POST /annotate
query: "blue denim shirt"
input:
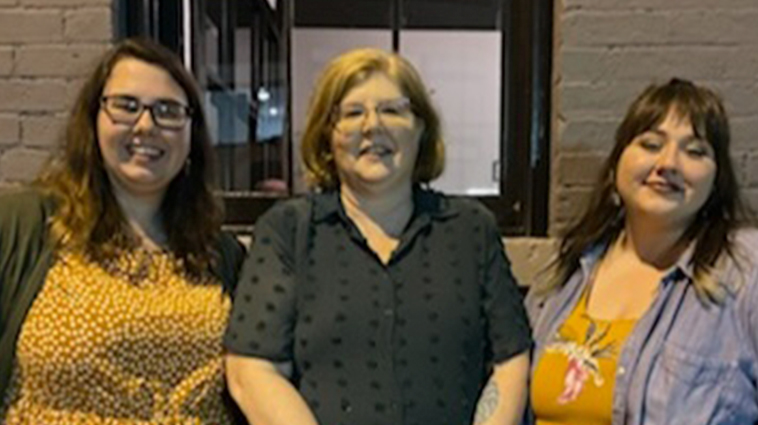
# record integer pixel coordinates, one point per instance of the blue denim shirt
(685, 362)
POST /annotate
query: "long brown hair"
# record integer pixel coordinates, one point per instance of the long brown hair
(88, 217)
(342, 74)
(722, 213)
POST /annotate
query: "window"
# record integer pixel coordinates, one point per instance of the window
(487, 63)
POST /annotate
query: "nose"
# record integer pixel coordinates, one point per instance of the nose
(371, 121)
(668, 159)
(145, 121)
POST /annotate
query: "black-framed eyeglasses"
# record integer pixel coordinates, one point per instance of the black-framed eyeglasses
(167, 114)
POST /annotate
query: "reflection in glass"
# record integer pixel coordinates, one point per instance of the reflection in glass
(243, 76)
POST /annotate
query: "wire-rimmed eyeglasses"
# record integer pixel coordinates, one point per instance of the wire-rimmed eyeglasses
(351, 117)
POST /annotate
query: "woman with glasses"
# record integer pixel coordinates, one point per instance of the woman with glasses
(376, 300)
(114, 275)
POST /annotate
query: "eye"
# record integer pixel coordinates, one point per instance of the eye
(351, 112)
(125, 104)
(169, 109)
(650, 143)
(698, 149)
(390, 109)
(398, 107)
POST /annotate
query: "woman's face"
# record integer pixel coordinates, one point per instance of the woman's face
(142, 156)
(666, 174)
(375, 140)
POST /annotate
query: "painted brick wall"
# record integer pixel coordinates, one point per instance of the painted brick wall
(46, 48)
(607, 51)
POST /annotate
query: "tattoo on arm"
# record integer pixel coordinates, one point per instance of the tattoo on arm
(487, 404)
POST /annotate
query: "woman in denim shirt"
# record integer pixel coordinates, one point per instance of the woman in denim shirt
(650, 316)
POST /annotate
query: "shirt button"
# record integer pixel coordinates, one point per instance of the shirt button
(621, 370)
(388, 312)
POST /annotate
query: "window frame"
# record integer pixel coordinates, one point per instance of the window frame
(521, 208)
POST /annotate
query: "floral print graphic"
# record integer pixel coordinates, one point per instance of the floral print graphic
(582, 357)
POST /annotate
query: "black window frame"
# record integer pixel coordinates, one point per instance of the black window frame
(521, 208)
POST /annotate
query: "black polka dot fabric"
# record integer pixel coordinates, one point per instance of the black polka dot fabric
(409, 342)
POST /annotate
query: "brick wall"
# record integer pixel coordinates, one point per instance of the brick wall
(46, 47)
(607, 51)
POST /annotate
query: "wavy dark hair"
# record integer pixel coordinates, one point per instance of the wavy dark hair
(722, 213)
(88, 217)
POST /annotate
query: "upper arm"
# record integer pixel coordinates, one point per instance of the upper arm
(22, 244)
(240, 367)
(749, 309)
(507, 323)
(262, 319)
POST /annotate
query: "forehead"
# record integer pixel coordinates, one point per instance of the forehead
(376, 87)
(142, 79)
(673, 121)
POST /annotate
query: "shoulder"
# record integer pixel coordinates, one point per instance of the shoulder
(24, 208)
(467, 206)
(282, 221)
(19, 200)
(742, 269)
(287, 211)
(738, 273)
(742, 266)
(462, 208)
(746, 239)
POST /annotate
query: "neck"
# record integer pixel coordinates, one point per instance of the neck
(390, 211)
(142, 215)
(657, 245)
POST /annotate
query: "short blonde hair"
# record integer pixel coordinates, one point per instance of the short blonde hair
(341, 75)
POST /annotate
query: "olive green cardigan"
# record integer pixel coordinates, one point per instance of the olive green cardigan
(26, 254)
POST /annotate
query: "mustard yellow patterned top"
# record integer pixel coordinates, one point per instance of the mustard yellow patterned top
(575, 376)
(131, 342)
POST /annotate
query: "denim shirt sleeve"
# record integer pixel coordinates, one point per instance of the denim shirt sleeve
(747, 305)
(697, 363)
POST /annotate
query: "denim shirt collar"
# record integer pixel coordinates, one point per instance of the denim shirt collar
(683, 266)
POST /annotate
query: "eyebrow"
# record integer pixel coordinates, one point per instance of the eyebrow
(692, 138)
(380, 102)
(158, 99)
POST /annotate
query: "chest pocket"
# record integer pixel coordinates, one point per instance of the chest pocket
(688, 388)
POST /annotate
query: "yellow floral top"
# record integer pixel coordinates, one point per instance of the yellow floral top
(132, 342)
(575, 376)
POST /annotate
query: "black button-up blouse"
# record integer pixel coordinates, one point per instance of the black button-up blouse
(409, 342)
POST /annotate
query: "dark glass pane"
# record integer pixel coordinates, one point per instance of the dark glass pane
(451, 14)
(343, 13)
(242, 71)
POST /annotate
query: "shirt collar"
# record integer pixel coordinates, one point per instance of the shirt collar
(682, 266)
(426, 202)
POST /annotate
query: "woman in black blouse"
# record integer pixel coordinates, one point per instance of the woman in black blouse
(374, 300)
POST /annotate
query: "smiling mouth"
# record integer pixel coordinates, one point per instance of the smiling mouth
(150, 152)
(376, 150)
(664, 187)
